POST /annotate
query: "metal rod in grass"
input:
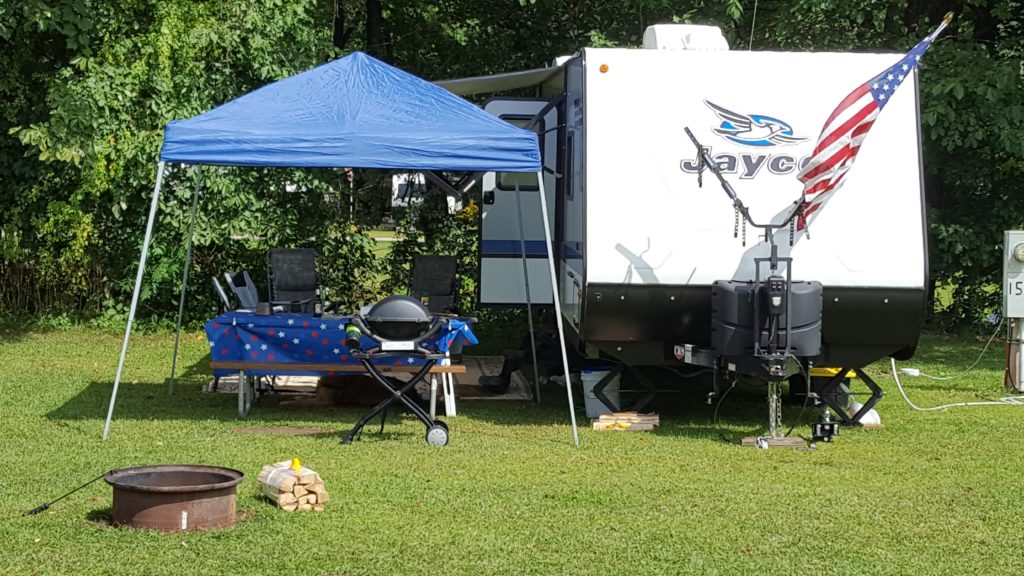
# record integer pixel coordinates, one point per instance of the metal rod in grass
(46, 505)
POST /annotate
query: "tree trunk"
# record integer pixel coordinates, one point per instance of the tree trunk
(339, 34)
(375, 29)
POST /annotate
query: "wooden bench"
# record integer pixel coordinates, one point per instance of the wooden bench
(247, 388)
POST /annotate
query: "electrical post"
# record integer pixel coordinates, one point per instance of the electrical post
(1013, 306)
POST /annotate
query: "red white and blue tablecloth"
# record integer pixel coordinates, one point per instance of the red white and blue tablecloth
(304, 339)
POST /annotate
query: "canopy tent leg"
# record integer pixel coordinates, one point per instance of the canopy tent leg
(184, 280)
(558, 306)
(526, 284)
(135, 295)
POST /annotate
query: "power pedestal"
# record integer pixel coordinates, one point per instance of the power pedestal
(1013, 306)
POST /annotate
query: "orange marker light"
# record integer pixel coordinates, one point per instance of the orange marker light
(603, 68)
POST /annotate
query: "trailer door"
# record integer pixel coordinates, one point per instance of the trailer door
(511, 216)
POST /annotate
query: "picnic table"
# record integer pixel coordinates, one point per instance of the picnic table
(250, 345)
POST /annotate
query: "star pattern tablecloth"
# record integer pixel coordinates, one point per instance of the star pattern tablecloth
(304, 339)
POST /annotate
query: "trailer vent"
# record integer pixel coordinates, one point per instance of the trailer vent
(684, 37)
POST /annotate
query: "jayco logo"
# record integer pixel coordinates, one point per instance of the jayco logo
(757, 131)
(752, 129)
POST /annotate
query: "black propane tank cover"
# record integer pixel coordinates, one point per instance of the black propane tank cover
(733, 323)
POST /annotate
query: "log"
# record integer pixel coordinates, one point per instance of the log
(318, 508)
(305, 506)
(282, 479)
(320, 491)
(299, 490)
(290, 507)
(277, 497)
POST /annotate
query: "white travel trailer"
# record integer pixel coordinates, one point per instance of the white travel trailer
(640, 244)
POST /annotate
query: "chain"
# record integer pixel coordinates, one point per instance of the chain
(736, 223)
(800, 216)
(744, 233)
(700, 167)
(774, 407)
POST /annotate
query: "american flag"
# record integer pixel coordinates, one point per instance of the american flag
(846, 128)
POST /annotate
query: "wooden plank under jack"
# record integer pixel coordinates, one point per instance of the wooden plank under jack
(627, 426)
(631, 421)
(774, 442)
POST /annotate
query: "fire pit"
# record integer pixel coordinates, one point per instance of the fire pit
(174, 498)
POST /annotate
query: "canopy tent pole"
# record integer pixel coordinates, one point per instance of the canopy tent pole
(558, 306)
(135, 295)
(526, 285)
(184, 279)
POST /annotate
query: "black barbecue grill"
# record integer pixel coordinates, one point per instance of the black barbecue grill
(400, 326)
(399, 318)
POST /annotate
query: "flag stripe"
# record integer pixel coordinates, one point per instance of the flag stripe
(826, 166)
(847, 128)
(846, 103)
(841, 140)
(850, 124)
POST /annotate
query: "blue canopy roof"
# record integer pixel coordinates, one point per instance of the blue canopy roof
(355, 112)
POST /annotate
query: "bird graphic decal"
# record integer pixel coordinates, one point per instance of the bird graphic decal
(753, 129)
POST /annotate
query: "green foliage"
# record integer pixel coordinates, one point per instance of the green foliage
(973, 118)
(82, 150)
(87, 85)
(427, 228)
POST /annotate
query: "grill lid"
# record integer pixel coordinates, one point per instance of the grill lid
(399, 317)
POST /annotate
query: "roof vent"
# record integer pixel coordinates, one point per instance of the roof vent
(684, 37)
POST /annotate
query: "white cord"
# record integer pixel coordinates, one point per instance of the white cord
(1006, 401)
(969, 368)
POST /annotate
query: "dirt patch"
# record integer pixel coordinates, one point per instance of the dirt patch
(281, 430)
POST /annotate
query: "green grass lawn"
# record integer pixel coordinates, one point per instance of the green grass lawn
(383, 241)
(929, 493)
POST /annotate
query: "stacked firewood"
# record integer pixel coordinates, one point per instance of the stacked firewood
(293, 487)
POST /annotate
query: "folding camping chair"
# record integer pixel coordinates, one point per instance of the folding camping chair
(293, 280)
(223, 304)
(243, 287)
(434, 282)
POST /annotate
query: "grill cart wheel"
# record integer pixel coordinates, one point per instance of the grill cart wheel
(437, 435)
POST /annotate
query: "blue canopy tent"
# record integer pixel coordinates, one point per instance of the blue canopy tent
(354, 112)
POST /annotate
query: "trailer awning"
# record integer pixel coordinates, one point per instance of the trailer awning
(499, 82)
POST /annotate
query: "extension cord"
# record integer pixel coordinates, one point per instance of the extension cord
(910, 371)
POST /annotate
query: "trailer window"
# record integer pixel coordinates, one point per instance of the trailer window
(524, 180)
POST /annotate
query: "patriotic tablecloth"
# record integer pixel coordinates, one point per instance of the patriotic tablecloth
(305, 339)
